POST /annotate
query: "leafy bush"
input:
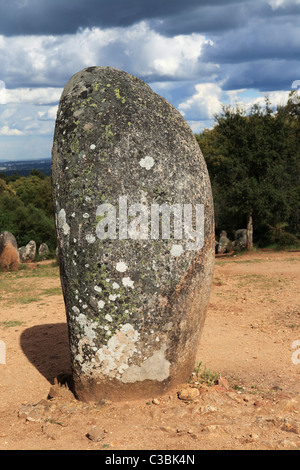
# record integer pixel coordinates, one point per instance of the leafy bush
(280, 237)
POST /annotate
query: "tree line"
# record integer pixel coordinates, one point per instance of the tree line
(254, 164)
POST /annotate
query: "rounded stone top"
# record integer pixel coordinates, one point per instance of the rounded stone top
(7, 237)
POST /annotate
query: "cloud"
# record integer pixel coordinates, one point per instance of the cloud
(25, 119)
(248, 98)
(201, 108)
(198, 126)
(263, 75)
(204, 104)
(49, 115)
(37, 96)
(275, 4)
(62, 16)
(38, 61)
(5, 130)
(256, 41)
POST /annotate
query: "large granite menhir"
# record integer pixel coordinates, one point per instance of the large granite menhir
(130, 187)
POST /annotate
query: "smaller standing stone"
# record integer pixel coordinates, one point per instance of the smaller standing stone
(30, 251)
(224, 243)
(43, 251)
(22, 250)
(241, 240)
(9, 255)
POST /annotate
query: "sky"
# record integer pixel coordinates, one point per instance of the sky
(198, 54)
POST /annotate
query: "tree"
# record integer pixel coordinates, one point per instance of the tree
(253, 161)
(36, 191)
(26, 210)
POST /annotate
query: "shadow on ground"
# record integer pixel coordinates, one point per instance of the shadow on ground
(47, 348)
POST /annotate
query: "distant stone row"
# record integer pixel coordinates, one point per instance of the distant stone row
(11, 256)
(242, 242)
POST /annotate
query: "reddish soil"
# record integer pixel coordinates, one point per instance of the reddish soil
(252, 324)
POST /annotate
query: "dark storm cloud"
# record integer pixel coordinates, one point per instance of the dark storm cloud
(261, 54)
(64, 16)
(262, 75)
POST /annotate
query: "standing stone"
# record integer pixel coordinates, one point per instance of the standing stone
(43, 251)
(22, 251)
(9, 255)
(241, 239)
(224, 243)
(136, 297)
(30, 251)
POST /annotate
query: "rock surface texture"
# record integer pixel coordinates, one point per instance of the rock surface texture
(135, 298)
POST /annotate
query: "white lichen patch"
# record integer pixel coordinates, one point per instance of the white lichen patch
(155, 367)
(86, 341)
(90, 238)
(120, 348)
(147, 162)
(121, 267)
(87, 327)
(62, 222)
(127, 282)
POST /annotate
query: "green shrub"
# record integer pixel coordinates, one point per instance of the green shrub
(280, 237)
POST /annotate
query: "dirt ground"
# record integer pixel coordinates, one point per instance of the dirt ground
(249, 339)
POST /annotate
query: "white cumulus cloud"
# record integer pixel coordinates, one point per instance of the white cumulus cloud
(204, 104)
(48, 115)
(139, 49)
(36, 96)
(5, 130)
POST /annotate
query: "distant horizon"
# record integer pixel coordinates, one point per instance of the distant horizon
(32, 159)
